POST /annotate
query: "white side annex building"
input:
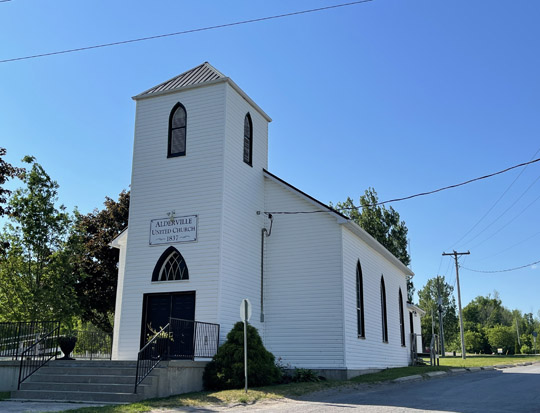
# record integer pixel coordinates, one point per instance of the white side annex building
(203, 236)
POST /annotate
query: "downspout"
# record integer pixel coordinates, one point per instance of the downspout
(264, 233)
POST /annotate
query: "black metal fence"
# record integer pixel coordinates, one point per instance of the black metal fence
(92, 345)
(18, 336)
(195, 339)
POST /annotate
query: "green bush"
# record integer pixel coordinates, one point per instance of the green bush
(304, 375)
(525, 349)
(226, 370)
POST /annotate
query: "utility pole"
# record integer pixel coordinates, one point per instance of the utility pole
(455, 255)
(439, 302)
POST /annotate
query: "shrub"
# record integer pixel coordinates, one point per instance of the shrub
(226, 370)
(304, 375)
(525, 349)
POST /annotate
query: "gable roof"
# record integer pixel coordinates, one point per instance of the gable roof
(201, 74)
(345, 221)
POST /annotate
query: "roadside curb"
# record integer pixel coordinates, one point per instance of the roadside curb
(456, 371)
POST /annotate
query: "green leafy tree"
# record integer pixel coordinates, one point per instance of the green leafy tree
(35, 274)
(7, 172)
(475, 342)
(95, 263)
(383, 224)
(486, 312)
(226, 370)
(428, 301)
(501, 337)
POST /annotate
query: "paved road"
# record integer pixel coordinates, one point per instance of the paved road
(510, 390)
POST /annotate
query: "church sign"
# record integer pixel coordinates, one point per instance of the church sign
(174, 229)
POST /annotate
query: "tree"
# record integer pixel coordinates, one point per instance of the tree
(428, 301)
(7, 172)
(95, 263)
(35, 274)
(501, 337)
(383, 224)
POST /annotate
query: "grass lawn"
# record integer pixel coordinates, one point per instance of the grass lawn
(226, 397)
(485, 360)
(4, 395)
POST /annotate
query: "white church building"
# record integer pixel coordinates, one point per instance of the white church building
(209, 225)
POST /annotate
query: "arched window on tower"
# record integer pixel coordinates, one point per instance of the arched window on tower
(171, 266)
(360, 301)
(248, 140)
(384, 318)
(177, 131)
(401, 319)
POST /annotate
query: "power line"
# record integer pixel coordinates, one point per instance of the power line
(201, 29)
(509, 248)
(495, 204)
(411, 196)
(508, 223)
(507, 270)
(505, 211)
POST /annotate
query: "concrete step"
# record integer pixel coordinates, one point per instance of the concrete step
(83, 387)
(87, 371)
(85, 378)
(77, 396)
(93, 363)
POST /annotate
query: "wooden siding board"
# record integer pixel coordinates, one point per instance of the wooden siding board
(243, 196)
(371, 352)
(303, 283)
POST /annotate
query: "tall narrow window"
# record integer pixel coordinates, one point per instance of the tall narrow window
(401, 319)
(177, 131)
(360, 301)
(248, 140)
(384, 319)
(170, 267)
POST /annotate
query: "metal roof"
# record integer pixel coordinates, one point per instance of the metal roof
(200, 74)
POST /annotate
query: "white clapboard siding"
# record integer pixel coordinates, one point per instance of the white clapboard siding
(371, 352)
(303, 283)
(191, 184)
(243, 196)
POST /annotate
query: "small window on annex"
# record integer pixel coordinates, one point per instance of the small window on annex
(401, 319)
(177, 131)
(248, 140)
(171, 266)
(360, 301)
(384, 318)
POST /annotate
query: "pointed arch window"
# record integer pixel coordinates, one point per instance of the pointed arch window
(401, 319)
(177, 131)
(360, 301)
(171, 266)
(384, 318)
(248, 140)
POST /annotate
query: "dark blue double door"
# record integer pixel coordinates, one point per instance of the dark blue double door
(158, 309)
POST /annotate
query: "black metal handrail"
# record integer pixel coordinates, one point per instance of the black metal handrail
(16, 336)
(38, 354)
(151, 354)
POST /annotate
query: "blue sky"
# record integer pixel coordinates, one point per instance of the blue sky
(402, 96)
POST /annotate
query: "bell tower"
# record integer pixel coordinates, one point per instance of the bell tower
(200, 148)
